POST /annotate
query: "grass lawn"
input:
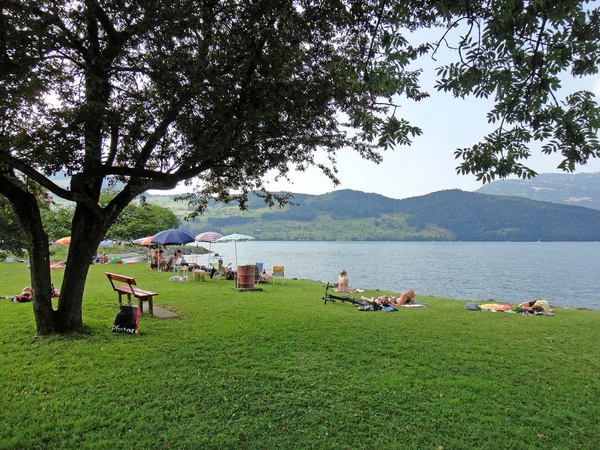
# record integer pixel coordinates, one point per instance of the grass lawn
(278, 369)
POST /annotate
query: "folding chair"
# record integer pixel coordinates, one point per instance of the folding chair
(218, 268)
(178, 266)
(278, 272)
(258, 273)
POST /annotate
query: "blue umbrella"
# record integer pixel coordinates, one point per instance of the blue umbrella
(172, 237)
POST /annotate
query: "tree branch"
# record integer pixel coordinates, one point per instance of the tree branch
(46, 183)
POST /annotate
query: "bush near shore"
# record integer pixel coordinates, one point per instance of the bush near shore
(279, 369)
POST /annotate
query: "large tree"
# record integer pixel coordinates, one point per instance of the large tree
(12, 238)
(222, 92)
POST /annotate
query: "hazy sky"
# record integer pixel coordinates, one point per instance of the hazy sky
(428, 165)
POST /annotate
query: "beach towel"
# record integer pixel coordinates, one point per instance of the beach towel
(388, 309)
(496, 306)
(349, 290)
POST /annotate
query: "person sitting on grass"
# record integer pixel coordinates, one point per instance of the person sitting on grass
(154, 260)
(230, 274)
(342, 284)
(180, 258)
(217, 268)
(163, 263)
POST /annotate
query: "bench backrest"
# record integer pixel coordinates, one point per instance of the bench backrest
(122, 278)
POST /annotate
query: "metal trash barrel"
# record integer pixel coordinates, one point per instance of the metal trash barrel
(245, 277)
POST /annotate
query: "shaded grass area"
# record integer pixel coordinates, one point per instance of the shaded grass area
(279, 369)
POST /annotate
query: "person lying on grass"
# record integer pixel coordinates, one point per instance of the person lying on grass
(25, 296)
(538, 305)
(54, 265)
(405, 298)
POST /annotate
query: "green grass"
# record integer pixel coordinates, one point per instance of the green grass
(278, 369)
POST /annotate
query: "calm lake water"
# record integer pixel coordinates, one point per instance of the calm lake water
(564, 273)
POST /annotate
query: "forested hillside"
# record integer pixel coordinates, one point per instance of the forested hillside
(444, 215)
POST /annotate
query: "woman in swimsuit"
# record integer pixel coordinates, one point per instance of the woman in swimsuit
(535, 305)
(406, 298)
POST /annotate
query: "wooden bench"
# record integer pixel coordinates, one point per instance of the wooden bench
(129, 290)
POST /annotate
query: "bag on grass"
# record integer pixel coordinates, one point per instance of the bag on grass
(127, 321)
(472, 306)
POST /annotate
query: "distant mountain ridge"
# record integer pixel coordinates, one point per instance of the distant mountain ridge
(450, 215)
(582, 189)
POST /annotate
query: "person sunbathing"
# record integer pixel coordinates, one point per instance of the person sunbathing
(25, 296)
(342, 284)
(381, 300)
(265, 276)
(230, 274)
(405, 298)
(57, 265)
(533, 306)
(54, 265)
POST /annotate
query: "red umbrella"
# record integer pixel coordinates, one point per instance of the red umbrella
(146, 241)
(210, 237)
(64, 241)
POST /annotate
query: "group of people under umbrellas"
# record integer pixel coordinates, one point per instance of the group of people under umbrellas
(181, 237)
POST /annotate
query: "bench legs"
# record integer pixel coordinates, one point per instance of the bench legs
(150, 306)
(141, 302)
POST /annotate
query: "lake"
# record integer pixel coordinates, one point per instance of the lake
(564, 273)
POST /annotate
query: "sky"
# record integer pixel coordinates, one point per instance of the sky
(447, 123)
(428, 165)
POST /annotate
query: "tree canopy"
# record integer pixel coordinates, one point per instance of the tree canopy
(220, 93)
(142, 220)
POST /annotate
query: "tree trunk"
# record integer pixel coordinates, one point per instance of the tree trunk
(87, 232)
(26, 208)
(88, 229)
(39, 257)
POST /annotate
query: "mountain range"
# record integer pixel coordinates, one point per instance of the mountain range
(582, 189)
(549, 207)
(451, 215)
